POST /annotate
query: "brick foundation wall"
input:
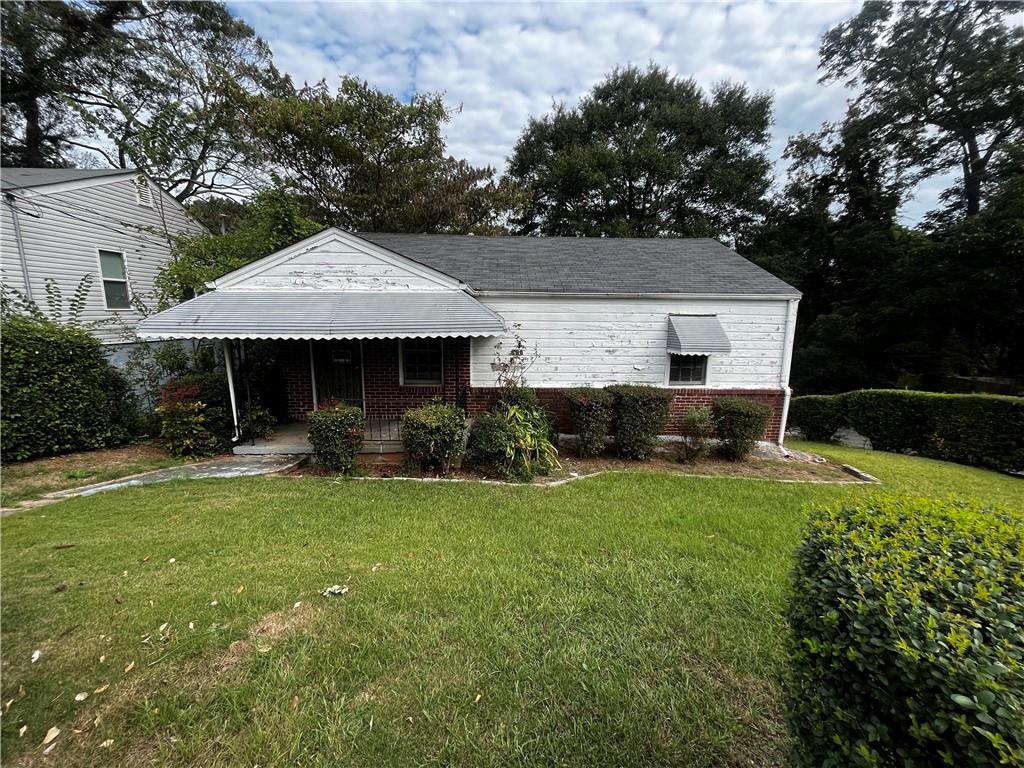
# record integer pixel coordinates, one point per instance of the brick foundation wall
(384, 396)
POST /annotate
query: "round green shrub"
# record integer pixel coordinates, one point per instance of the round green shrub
(698, 426)
(59, 391)
(641, 413)
(739, 422)
(184, 430)
(432, 435)
(591, 411)
(491, 445)
(906, 643)
(817, 416)
(336, 435)
(512, 443)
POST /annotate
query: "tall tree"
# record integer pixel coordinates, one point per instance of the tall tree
(945, 78)
(647, 154)
(51, 50)
(363, 160)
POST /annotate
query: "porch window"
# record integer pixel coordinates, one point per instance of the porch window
(115, 280)
(421, 362)
(687, 369)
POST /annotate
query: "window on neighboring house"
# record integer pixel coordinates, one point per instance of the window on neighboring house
(421, 362)
(143, 193)
(688, 369)
(115, 280)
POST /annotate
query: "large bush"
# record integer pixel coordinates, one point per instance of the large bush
(59, 392)
(210, 388)
(591, 411)
(432, 435)
(819, 417)
(185, 431)
(337, 435)
(740, 422)
(512, 443)
(641, 414)
(907, 642)
(983, 430)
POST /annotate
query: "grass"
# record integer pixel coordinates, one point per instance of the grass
(29, 480)
(627, 619)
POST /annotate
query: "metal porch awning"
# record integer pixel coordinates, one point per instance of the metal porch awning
(696, 335)
(323, 315)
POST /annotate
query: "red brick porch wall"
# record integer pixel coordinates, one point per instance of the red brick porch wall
(383, 396)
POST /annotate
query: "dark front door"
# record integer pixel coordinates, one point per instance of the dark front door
(339, 371)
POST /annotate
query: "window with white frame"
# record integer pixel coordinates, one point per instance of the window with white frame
(688, 369)
(421, 362)
(115, 280)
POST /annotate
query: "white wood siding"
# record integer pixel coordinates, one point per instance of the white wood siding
(63, 231)
(339, 263)
(583, 341)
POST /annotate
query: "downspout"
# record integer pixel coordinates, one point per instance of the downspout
(312, 374)
(787, 362)
(229, 364)
(21, 244)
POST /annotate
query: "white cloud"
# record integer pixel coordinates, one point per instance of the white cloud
(506, 62)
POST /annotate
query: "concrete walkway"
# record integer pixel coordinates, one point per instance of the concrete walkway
(228, 466)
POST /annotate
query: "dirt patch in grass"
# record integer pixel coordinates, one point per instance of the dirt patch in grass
(31, 479)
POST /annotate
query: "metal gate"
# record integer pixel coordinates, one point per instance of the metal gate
(339, 371)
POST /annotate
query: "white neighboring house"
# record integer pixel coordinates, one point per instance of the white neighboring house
(62, 224)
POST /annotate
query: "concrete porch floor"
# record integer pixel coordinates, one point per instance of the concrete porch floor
(381, 436)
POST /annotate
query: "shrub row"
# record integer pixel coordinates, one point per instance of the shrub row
(906, 644)
(515, 441)
(981, 430)
(433, 435)
(740, 423)
(59, 391)
(336, 434)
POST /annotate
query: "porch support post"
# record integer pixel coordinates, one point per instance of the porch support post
(229, 364)
(312, 373)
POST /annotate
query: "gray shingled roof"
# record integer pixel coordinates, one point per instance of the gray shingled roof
(15, 178)
(323, 315)
(587, 264)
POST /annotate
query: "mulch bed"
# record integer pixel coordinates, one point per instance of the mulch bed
(395, 465)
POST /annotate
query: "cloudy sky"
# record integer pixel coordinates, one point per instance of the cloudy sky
(503, 62)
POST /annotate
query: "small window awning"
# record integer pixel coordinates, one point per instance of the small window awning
(696, 335)
(323, 315)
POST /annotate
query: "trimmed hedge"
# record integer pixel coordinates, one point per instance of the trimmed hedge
(981, 430)
(641, 413)
(432, 435)
(337, 435)
(698, 427)
(818, 416)
(591, 411)
(907, 645)
(59, 391)
(740, 423)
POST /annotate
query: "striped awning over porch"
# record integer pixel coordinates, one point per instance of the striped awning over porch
(323, 315)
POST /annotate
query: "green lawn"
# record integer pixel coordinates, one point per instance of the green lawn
(628, 619)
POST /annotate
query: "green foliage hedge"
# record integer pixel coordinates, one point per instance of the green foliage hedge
(981, 430)
(740, 423)
(59, 392)
(641, 413)
(819, 417)
(907, 642)
(513, 441)
(698, 426)
(591, 411)
(432, 435)
(185, 430)
(337, 435)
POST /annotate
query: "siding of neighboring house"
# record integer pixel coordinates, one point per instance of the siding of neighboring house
(63, 231)
(596, 341)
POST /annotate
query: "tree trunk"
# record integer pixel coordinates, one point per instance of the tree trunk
(33, 133)
(973, 170)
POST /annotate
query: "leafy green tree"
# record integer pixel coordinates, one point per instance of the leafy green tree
(944, 78)
(646, 154)
(272, 222)
(365, 161)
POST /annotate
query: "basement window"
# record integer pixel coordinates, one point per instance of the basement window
(688, 369)
(115, 280)
(422, 362)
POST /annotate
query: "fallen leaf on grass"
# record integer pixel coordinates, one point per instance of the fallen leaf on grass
(36, 655)
(477, 699)
(125, 573)
(129, 667)
(49, 749)
(82, 696)
(214, 603)
(295, 703)
(102, 688)
(240, 589)
(51, 734)
(102, 659)
(7, 704)
(146, 558)
(164, 626)
(297, 604)
(172, 561)
(107, 743)
(191, 625)
(21, 731)
(377, 567)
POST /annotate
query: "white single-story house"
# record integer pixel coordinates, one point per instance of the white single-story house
(60, 225)
(389, 321)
